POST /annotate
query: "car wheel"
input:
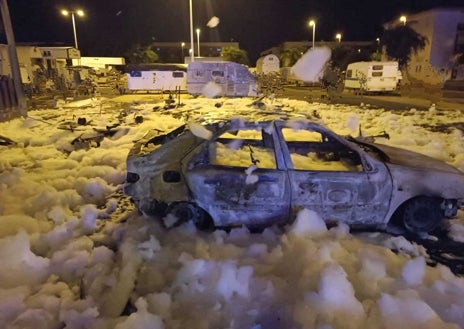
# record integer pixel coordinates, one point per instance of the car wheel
(422, 214)
(150, 208)
(185, 211)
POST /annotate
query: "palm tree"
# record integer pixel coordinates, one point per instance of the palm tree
(139, 54)
(401, 42)
(234, 54)
(342, 56)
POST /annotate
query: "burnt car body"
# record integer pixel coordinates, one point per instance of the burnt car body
(260, 174)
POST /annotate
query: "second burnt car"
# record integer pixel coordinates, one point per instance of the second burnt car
(258, 174)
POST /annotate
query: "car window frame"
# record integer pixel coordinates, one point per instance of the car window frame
(367, 166)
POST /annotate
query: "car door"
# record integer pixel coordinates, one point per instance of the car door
(238, 180)
(337, 181)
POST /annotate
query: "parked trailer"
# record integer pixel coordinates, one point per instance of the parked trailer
(233, 78)
(156, 77)
(372, 76)
(268, 64)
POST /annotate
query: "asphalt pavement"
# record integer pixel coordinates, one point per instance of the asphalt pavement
(388, 101)
(398, 102)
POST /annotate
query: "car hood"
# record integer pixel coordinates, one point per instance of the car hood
(401, 157)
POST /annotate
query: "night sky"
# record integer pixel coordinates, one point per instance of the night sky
(111, 26)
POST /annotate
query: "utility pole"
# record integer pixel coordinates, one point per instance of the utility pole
(15, 73)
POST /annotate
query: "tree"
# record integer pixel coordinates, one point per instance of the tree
(401, 42)
(342, 56)
(139, 54)
(289, 56)
(234, 54)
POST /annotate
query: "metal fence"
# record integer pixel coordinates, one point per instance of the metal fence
(9, 108)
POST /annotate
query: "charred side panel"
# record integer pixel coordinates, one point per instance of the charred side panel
(232, 200)
(409, 183)
(160, 172)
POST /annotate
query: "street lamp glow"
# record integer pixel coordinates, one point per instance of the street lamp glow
(78, 12)
(198, 41)
(403, 19)
(312, 23)
(338, 37)
(182, 45)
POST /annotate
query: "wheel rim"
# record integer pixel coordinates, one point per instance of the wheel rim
(189, 212)
(422, 215)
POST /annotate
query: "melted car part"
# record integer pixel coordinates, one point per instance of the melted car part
(6, 141)
(109, 131)
(162, 139)
(83, 142)
(450, 208)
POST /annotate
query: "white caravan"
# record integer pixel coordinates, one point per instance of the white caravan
(268, 64)
(156, 77)
(372, 76)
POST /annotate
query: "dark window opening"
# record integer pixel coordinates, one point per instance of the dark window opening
(217, 73)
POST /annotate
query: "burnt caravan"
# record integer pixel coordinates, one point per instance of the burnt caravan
(233, 78)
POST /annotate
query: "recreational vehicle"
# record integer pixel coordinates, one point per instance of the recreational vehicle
(233, 78)
(372, 76)
(268, 64)
(156, 77)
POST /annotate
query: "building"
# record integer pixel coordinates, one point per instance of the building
(39, 64)
(178, 52)
(362, 47)
(99, 63)
(442, 58)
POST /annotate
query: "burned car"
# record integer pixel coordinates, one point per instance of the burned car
(260, 174)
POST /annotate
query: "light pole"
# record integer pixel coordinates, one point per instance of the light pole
(198, 41)
(182, 44)
(192, 56)
(313, 24)
(14, 63)
(403, 20)
(338, 37)
(72, 12)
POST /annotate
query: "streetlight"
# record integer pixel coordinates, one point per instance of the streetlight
(403, 19)
(338, 37)
(182, 51)
(313, 24)
(198, 41)
(79, 12)
(192, 56)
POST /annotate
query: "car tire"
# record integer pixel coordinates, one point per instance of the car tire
(150, 208)
(186, 211)
(422, 214)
